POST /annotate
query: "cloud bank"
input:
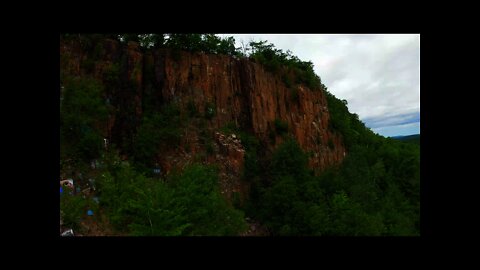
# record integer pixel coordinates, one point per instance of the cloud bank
(378, 74)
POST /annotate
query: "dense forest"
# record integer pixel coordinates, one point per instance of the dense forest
(410, 138)
(375, 191)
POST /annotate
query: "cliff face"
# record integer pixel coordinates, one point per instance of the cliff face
(244, 93)
(238, 90)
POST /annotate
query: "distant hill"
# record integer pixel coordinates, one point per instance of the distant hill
(410, 138)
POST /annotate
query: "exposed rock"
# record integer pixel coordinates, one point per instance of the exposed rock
(252, 97)
(236, 90)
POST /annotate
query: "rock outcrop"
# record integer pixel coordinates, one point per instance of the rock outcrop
(242, 92)
(229, 89)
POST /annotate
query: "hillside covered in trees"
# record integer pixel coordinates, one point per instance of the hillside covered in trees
(187, 135)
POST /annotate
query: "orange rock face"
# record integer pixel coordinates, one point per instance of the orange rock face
(243, 93)
(234, 90)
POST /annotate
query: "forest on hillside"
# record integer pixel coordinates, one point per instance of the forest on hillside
(375, 191)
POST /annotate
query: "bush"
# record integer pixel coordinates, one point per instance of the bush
(209, 148)
(210, 110)
(330, 144)
(72, 208)
(192, 109)
(286, 80)
(188, 203)
(111, 75)
(196, 189)
(289, 159)
(229, 128)
(273, 59)
(158, 130)
(82, 111)
(271, 134)
(281, 127)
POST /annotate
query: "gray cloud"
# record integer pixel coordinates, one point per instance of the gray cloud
(395, 120)
(379, 75)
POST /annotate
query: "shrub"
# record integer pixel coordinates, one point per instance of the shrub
(229, 128)
(286, 80)
(210, 110)
(289, 159)
(209, 148)
(281, 127)
(111, 75)
(192, 109)
(157, 130)
(330, 144)
(196, 189)
(271, 134)
(72, 209)
(83, 110)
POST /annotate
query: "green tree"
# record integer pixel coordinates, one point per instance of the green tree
(196, 189)
(289, 159)
(156, 131)
(72, 208)
(82, 113)
(157, 212)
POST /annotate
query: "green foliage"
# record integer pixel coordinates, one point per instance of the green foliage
(208, 43)
(72, 208)
(82, 111)
(192, 109)
(289, 159)
(374, 192)
(187, 42)
(348, 218)
(229, 128)
(197, 190)
(330, 144)
(252, 146)
(156, 131)
(157, 213)
(286, 80)
(249, 142)
(111, 76)
(236, 201)
(271, 134)
(189, 203)
(209, 148)
(210, 110)
(152, 40)
(281, 127)
(415, 139)
(291, 202)
(272, 59)
(279, 204)
(130, 37)
(354, 132)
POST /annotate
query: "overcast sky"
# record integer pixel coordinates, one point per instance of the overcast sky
(379, 75)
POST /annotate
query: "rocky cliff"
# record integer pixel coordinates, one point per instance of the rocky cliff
(235, 90)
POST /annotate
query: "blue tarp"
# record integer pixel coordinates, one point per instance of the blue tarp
(90, 212)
